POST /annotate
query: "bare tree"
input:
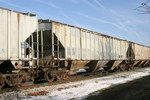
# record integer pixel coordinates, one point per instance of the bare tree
(144, 8)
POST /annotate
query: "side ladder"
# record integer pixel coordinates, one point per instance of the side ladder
(55, 51)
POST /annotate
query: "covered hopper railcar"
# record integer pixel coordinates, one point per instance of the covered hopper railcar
(77, 48)
(15, 28)
(32, 49)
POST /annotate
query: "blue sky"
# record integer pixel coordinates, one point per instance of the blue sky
(116, 18)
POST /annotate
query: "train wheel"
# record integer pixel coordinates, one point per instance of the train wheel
(66, 74)
(50, 75)
(25, 79)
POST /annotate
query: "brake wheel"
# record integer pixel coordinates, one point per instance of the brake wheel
(50, 75)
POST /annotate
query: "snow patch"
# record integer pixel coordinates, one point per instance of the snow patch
(81, 71)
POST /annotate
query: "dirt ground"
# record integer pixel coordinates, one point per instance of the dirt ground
(134, 90)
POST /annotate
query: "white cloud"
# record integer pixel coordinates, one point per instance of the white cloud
(91, 5)
(97, 2)
(48, 3)
(72, 20)
(74, 1)
(2, 0)
(12, 4)
(99, 20)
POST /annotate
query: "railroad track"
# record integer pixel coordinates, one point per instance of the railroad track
(72, 78)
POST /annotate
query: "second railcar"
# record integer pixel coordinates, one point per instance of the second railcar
(77, 48)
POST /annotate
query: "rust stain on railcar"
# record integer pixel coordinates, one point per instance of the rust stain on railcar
(133, 47)
(18, 15)
(18, 18)
(2, 10)
(65, 33)
(133, 53)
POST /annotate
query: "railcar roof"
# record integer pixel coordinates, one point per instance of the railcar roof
(93, 32)
(29, 14)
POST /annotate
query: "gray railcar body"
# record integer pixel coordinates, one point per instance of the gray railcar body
(83, 48)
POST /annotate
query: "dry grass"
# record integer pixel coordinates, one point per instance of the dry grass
(72, 86)
(38, 93)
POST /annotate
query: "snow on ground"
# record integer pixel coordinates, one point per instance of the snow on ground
(81, 71)
(81, 89)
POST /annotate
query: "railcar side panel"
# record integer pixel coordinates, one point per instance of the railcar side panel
(78, 44)
(73, 42)
(92, 46)
(100, 48)
(96, 47)
(15, 29)
(3, 35)
(110, 42)
(114, 50)
(88, 45)
(104, 48)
